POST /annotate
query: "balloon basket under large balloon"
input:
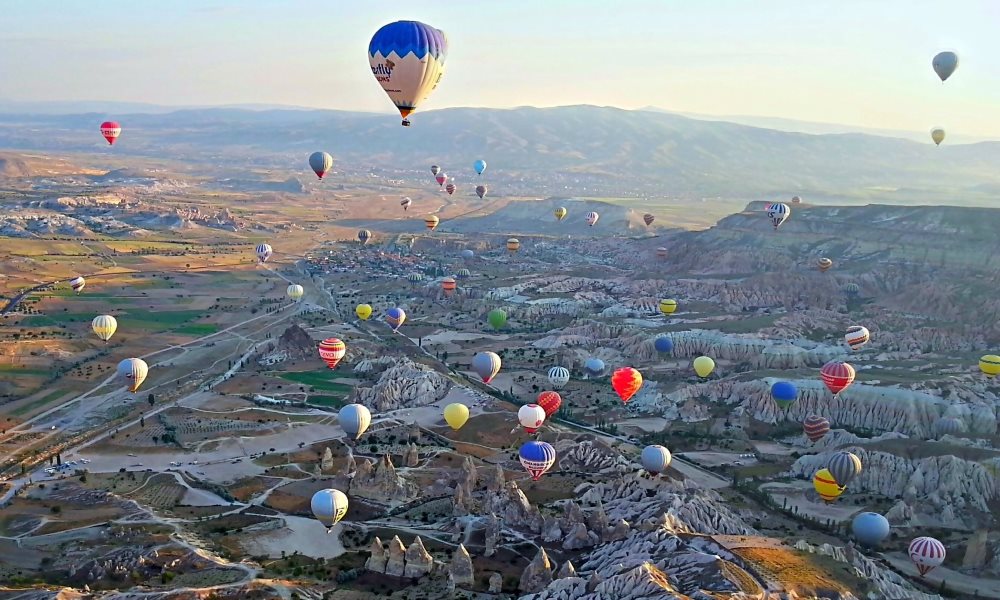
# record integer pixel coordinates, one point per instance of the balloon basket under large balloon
(405, 123)
(329, 530)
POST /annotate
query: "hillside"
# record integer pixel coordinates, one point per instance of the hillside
(583, 148)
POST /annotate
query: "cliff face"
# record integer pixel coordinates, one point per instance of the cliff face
(400, 383)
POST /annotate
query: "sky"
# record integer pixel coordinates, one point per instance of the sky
(857, 62)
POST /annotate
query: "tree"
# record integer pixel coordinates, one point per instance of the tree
(150, 399)
(142, 422)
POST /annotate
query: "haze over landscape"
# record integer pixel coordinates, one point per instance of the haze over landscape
(652, 301)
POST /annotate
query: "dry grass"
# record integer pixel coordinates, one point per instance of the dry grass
(160, 491)
(792, 569)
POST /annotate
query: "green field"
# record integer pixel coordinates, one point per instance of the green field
(320, 380)
(198, 329)
(138, 318)
(19, 370)
(328, 401)
(40, 402)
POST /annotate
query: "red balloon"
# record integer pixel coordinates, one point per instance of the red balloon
(111, 130)
(550, 402)
(450, 188)
(837, 376)
(626, 382)
(815, 427)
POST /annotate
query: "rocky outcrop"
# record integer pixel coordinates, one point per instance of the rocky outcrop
(381, 482)
(326, 463)
(419, 561)
(512, 506)
(411, 458)
(399, 561)
(460, 569)
(590, 456)
(462, 502)
(401, 383)
(566, 570)
(888, 584)
(396, 558)
(377, 560)
(538, 574)
(496, 583)
(350, 466)
(467, 477)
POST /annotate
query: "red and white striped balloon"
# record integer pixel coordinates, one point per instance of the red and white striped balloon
(926, 553)
(331, 351)
(837, 376)
(857, 336)
(111, 130)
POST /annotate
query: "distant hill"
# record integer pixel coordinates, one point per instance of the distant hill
(12, 166)
(576, 148)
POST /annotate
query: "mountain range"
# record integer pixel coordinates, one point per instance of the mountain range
(585, 148)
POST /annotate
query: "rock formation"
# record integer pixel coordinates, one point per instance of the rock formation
(402, 383)
(460, 568)
(496, 583)
(349, 465)
(537, 574)
(468, 476)
(326, 463)
(377, 561)
(511, 505)
(396, 559)
(419, 561)
(411, 458)
(381, 482)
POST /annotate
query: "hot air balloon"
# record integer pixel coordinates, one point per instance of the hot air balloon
(104, 326)
(463, 273)
(655, 459)
(558, 376)
(668, 306)
(852, 289)
(320, 163)
(363, 236)
(796, 200)
(77, 283)
(816, 427)
(133, 371)
(431, 221)
(479, 166)
(448, 285)
(531, 417)
(837, 376)
(435, 170)
(937, 134)
(468, 254)
(648, 219)
(944, 64)
(661, 252)
(663, 344)
(550, 402)
(295, 291)
(111, 130)
(456, 414)
(486, 365)
(497, 318)
(329, 506)
(481, 191)
(824, 264)
(364, 311)
(405, 203)
(844, 466)
(703, 366)
(407, 59)
(784, 393)
(592, 218)
(537, 458)
(264, 252)
(857, 336)
(331, 351)
(354, 419)
(593, 366)
(513, 245)
(415, 277)
(989, 364)
(926, 553)
(441, 178)
(778, 213)
(450, 188)
(826, 486)
(560, 213)
(395, 317)
(870, 528)
(626, 382)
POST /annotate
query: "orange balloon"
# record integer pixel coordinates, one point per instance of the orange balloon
(626, 382)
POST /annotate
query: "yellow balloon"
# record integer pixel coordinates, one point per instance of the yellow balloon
(104, 326)
(364, 311)
(560, 213)
(937, 134)
(704, 366)
(826, 486)
(456, 415)
(990, 365)
(668, 306)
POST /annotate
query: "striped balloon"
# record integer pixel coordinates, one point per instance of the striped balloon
(926, 553)
(448, 285)
(331, 351)
(661, 252)
(431, 221)
(537, 458)
(592, 218)
(133, 371)
(463, 273)
(77, 284)
(816, 427)
(363, 236)
(826, 486)
(558, 376)
(104, 326)
(824, 264)
(513, 245)
(948, 426)
(844, 467)
(648, 219)
(550, 402)
(415, 277)
(264, 252)
(837, 376)
(857, 336)
(450, 188)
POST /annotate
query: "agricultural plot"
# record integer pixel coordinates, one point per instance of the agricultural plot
(792, 570)
(159, 491)
(320, 380)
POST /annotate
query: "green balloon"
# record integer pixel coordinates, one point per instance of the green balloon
(497, 318)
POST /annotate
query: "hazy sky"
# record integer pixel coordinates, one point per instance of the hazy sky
(861, 62)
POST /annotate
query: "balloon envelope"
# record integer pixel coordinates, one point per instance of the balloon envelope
(395, 317)
(558, 376)
(937, 134)
(407, 59)
(784, 393)
(431, 221)
(668, 306)
(531, 417)
(513, 245)
(331, 351)
(497, 318)
(479, 166)
(467, 254)
(778, 213)
(133, 371)
(111, 130)
(537, 457)
(989, 364)
(104, 326)
(320, 163)
(363, 236)
(593, 366)
(264, 252)
(655, 459)
(844, 466)
(826, 486)
(944, 64)
(703, 366)
(295, 291)
(329, 506)
(592, 218)
(354, 419)
(364, 311)
(486, 365)
(481, 190)
(824, 264)
(626, 382)
(837, 376)
(815, 427)
(663, 344)
(870, 528)
(456, 415)
(926, 553)
(550, 402)
(857, 336)
(77, 283)
(560, 213)
(648, 219)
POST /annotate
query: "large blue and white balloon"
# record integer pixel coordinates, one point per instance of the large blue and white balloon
(407, 59)
(870, 528)
(537, 458)
(593, 366)
(479, 166)
(664, 344)
(655, 459)
(784, 393)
